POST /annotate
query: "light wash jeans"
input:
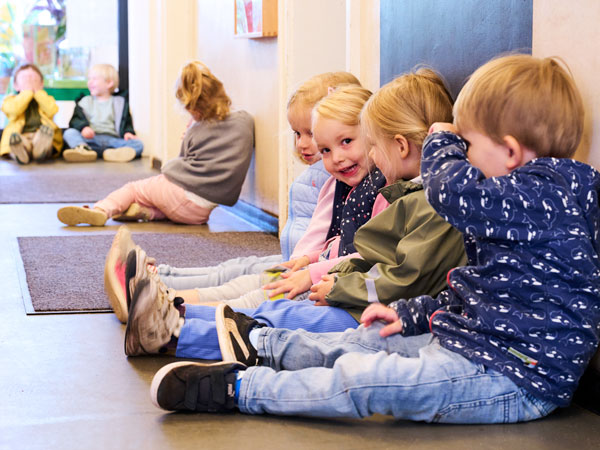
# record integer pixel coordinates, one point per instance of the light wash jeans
(204, 277)
(101, 142)
(358, 373)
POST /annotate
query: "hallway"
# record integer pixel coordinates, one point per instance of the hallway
(65, 382)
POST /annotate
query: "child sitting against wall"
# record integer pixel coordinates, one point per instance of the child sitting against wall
(30, 134)
(510, 338)
(101, 125)
(310, 207)
(215, 155)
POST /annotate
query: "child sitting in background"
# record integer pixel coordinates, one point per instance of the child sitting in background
(30, 132)
(511, 337)
(301, 233)
(101, 125)
(215, 155)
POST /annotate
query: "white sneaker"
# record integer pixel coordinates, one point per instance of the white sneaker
(121, 154)
(81, 153)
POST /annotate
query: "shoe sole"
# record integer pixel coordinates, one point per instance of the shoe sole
(224, 336)
(163, 371)
(43, 147)
(121, 245)
(18, 149)
(134, 213)
(124, 154)
(75, 156)
(74, 215)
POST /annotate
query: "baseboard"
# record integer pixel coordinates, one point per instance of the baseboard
(256, 216)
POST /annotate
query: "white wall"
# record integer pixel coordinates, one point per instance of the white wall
(570, 30)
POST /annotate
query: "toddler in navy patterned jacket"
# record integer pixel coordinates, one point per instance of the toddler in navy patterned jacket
(510, 338)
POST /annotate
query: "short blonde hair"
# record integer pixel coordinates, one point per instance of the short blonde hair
(344, 105)
(108, 72)
(408, 105)
(535, 100)
(199, 91)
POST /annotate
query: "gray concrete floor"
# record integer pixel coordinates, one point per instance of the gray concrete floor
(65, 382)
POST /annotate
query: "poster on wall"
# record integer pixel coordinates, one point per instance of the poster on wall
(255, 18)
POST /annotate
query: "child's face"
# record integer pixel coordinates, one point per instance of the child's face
(299, 119)
(342, 151)
(98, 85)
(28, 80)
(485, 154)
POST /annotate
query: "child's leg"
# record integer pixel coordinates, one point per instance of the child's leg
(233, 289)
(140, 191)
(201, 277)
(411, 378)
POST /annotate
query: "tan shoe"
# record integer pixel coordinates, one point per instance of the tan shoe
(17, 149)
(74, 215)
(81, 153)
(121, 154)
(134, 213)
(42, 143)
(114, 272)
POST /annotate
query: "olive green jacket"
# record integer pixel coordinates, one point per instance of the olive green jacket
(406, 251)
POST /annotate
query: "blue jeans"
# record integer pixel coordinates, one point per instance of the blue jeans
(358, 373)
(203, 277)
(198, 337)
(101, 142)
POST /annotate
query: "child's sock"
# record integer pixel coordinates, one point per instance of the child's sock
(253, 336)
(238, 381)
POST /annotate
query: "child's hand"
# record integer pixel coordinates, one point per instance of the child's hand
(88, 133)
(295, 284)
(294, 265)
(128, 136)
(321, 289)
(377, 311)
(443, 126)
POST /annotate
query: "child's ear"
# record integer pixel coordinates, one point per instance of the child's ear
(402, 145)
(515, 157)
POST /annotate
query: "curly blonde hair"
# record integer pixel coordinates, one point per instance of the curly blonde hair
(343, 105)
(535, 100)
(200, 92)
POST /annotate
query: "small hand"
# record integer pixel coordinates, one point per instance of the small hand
(377, 311)
(87, 133)
(128, 136)
(295, 284)
(295, 265)
(443, 126)
(320, 290)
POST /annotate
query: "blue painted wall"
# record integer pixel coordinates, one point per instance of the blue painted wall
(452, 36)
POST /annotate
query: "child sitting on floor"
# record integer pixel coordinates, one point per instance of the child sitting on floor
(215, 155)
(30, 133)
(408, 247)
(310, 210)
(101, 125)
(510, 338)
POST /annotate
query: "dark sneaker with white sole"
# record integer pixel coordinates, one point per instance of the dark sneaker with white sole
(196, 387)
(233, 329)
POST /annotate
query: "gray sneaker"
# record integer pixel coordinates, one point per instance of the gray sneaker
(153, 319)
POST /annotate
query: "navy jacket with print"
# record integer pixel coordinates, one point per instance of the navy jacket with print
(528, 302)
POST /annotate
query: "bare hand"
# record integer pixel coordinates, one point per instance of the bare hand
(320, 290)
(380, 312)
(295, 284)
(443, 126)
(88, 133)
(128, 136)
(295, 264)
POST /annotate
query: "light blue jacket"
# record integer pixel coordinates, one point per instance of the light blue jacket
(304, 193)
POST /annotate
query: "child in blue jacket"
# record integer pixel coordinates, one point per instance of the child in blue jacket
(511, 336)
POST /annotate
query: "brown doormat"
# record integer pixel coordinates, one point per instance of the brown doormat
(65, 273)
(61, 182)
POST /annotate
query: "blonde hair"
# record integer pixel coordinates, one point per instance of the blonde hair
(108, 72)
(199, 91)
(535, 100)
(313, 90)
(408, 105)
(343, 105)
